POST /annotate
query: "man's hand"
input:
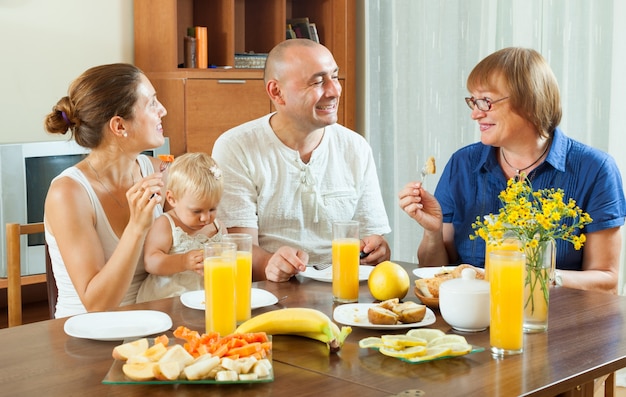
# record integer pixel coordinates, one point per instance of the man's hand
(285, 263)
(375, 249)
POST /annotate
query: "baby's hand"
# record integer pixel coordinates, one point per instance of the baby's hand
(194, 260)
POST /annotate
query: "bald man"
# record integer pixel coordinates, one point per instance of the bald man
(290, 174)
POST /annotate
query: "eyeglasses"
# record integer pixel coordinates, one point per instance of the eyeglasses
(483, 104)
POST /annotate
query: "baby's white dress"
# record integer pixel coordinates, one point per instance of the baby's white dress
(159, 287)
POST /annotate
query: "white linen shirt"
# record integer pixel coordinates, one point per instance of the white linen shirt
(268, 187)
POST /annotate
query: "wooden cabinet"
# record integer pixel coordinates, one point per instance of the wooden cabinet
(203, 103)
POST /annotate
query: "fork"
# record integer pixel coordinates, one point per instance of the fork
(163, 166)
(423, 174)
(322, 266)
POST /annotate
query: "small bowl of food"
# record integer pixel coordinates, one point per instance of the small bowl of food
(430, 301)
(427, 288)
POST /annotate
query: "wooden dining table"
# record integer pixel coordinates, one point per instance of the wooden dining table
(586, 340)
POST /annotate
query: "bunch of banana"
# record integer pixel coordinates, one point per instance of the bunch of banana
(309, 323)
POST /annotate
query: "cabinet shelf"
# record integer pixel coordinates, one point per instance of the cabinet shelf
(234, 26)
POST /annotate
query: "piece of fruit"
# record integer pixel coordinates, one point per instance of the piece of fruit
(155, 352)
(168, 158)
(370, 342)
(431, 353)
(167, 371)
(457, 349)
(447, 339)
(305, 322)
(201, 368)
(426, 333)
(129, 349)
(388, 280)
(140, 372)
(401, 341)
(177, 354)
(409, 352)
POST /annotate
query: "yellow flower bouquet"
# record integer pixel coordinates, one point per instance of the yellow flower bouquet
(537, 219)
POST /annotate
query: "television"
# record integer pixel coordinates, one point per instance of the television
(26, 170)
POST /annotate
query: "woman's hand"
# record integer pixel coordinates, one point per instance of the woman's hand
(142, 197)
(421, 206)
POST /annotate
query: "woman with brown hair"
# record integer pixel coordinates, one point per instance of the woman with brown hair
(98, 212)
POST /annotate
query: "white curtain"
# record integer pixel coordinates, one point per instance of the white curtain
(415, 56)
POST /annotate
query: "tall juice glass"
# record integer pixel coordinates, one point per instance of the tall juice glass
(508, 244)
(220, 261)
(346, 246)
(506, 279)
(243, 282)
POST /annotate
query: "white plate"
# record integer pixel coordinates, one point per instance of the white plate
(259, 298)
(326, 275)
(117, 325)
(429, 272)
(355, 315)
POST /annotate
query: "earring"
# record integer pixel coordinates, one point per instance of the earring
(125, 134)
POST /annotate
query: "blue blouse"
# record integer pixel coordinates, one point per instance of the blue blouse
(472, 180)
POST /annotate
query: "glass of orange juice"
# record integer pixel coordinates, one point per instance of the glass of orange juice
(507, 244)
(220, 261)
(346, 246)
(506, 279)
(243, 281)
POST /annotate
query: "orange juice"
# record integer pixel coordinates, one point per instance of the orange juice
(506, 279)
(219, 290)
(243, 285)
(346, 269)
(508, 244)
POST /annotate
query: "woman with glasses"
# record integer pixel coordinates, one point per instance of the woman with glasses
(516, 102)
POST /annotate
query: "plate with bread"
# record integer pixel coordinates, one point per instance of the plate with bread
(430, 278)
(390, 314)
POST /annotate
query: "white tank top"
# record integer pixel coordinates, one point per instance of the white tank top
(68, 301)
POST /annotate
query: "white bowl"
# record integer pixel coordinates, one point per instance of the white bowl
(464, 302)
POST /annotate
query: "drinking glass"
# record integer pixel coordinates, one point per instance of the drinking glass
(220, 261)
(506, 279)
(346, 247)
(243, 283)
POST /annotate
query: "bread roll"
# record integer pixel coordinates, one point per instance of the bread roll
(410, 312)
(380, 315)
(389, 304)
(391, 311)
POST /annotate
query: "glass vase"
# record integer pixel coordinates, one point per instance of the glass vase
(540, 265)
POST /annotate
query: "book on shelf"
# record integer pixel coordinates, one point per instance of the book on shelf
(290, 33)
(313, 32)
(250, 60)
(202, 49)
(190, 52)
(301, 27)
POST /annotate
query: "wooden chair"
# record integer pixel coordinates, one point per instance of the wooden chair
(14, 231)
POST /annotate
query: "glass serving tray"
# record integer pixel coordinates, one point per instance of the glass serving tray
(116, 376)
(475, 349)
